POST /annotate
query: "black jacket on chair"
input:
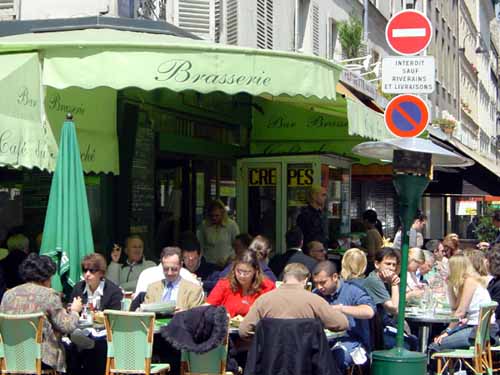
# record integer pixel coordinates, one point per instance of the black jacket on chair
(290, 347)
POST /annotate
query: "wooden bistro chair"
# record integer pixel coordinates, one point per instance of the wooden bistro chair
(476, 358)
(130, 343)
(210, 363)
(21, 344)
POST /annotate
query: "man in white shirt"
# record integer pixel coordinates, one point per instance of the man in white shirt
(416, 237)
(154, 274)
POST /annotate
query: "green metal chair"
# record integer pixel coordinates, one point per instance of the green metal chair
(130, 343)
(210, 363)
(479, 355)
(21, 344)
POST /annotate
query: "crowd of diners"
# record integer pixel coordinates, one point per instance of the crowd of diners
(365, 289)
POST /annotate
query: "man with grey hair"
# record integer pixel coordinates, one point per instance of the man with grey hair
(18, 245)
(292, 301)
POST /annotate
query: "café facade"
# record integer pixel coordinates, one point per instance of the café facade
(167, 122)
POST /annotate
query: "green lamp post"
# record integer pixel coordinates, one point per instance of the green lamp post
(412, 161)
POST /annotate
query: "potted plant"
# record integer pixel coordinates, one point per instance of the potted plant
(446, 125)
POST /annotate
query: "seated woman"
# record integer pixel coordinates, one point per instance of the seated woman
(354, 263)
(467, 292)
(35, 295)
(244, 284)
(95, 289)
(414, 288)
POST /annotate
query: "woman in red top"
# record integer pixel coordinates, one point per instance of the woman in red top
(244, 284)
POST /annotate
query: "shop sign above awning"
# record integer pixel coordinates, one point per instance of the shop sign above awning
(77, 66)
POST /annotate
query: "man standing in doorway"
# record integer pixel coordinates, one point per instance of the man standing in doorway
(312, 220)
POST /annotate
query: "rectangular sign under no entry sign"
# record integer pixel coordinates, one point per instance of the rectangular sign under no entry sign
(408, 75)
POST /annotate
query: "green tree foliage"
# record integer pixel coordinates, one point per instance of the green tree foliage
(485, 230)
(351, 36)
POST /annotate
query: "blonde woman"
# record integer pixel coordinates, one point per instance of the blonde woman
(467, 292)
(478, 260)
(414, 288)
(354, 264)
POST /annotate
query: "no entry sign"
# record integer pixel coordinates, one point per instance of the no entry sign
(408, 32)
(406, 116)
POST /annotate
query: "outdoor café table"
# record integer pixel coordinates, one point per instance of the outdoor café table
(331, 336)
(425, 320)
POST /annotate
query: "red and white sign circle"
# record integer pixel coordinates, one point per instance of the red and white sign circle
(408, 32)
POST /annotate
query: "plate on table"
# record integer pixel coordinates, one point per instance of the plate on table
(159, 308)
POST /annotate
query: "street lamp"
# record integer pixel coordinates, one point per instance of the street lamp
(479, 49)
(412, 162)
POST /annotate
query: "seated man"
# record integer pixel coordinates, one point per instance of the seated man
(383, 278)
(154, 274)
(294, 242)
(126, 275)
(173, 288)
(195, 262)
(292, 301)
(316, 250)
(353, 301)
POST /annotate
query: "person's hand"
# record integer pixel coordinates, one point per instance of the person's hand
(439, 339)
(387, 276)
(395, 280)
(116, 253)
(76, 305)
(178, 310)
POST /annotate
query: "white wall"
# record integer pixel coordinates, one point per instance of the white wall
(45, 9)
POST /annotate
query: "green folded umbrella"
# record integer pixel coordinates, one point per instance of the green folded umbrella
(67, 234)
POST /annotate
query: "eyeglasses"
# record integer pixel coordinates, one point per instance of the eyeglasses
(243, 272)
(171, 269)
(91, 270)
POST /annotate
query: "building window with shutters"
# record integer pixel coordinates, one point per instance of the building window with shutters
(315, 29)
(196, 16)
(232, 22)
(265, 24)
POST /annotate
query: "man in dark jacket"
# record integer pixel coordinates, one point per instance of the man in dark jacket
(312, 219)
(294, 254)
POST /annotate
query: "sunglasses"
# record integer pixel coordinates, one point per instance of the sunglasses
(91, 270)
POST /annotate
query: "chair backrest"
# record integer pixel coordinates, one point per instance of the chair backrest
(21, 342)
(301, 343)
(483, 328)
(212, 362)
(130, 340)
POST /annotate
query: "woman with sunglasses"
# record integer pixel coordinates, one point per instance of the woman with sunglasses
(95, 289)
(244, 284)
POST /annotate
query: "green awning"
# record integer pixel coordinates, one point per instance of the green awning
(25, 139)
(81, 70)
(280, 128)
(103, 57)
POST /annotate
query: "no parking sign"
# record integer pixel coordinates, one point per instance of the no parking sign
(406, 116)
